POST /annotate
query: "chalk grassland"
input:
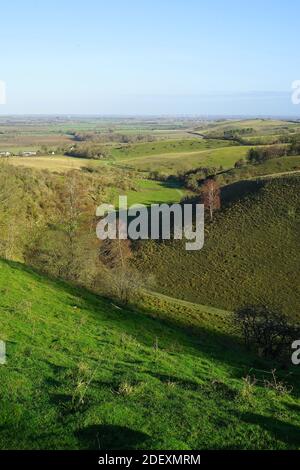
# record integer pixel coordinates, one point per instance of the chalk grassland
(174, 163)
(166, 164)
(132, 151)
(275, 167)
(154, 192)
(163, 156)
(82, 374)
(258, 126)
(254, 131)
(250, 255)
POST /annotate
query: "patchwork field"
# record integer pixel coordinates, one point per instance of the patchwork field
(173, 147)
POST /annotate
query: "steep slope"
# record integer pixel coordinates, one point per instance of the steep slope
(251, 252)
(82, 373)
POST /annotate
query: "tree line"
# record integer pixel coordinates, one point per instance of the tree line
(265, 153)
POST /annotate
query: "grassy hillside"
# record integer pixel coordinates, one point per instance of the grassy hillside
(173, 163)
(275, 167)
(250, 255)
(170, 162)
(253, 131)
(82, 373)
(165, 146)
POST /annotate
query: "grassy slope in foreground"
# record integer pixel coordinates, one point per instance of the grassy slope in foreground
(250, 254)
(64, 344)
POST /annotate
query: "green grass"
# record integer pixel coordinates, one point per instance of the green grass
(155, 148)
(154, 192)
(166, 156)
(275, 167)
(187, 392)
(250, 254)
(256, 131)
(259, 127)
(173, 163)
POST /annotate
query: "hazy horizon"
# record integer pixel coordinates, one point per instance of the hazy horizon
(218, 105)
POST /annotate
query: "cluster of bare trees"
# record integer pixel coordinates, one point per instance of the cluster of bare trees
(266, 330)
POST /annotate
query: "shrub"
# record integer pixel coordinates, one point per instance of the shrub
(240, 163)
(262, 154)
(267, 330)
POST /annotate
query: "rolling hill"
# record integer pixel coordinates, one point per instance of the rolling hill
(82, 373)
(250, 255)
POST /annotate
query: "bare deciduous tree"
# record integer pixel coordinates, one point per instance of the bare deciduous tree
(210, 191)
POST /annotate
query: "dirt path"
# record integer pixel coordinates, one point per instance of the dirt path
(275, 175)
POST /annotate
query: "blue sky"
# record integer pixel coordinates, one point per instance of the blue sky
(150, 57)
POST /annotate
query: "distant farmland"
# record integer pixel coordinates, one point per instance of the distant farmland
(58, 163)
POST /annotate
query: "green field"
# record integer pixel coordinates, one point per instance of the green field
(59, 163)
(174, 163)
(154, 192)
(165, 147)
(166, 163)
(83, 374)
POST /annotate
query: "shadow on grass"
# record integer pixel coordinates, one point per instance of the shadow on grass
(238, 190)
(184, 383)
(286, 432)
(293, 407)
(110, 437)
(145, 327)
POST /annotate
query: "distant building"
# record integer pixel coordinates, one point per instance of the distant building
(28, 154)
(5, 154)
